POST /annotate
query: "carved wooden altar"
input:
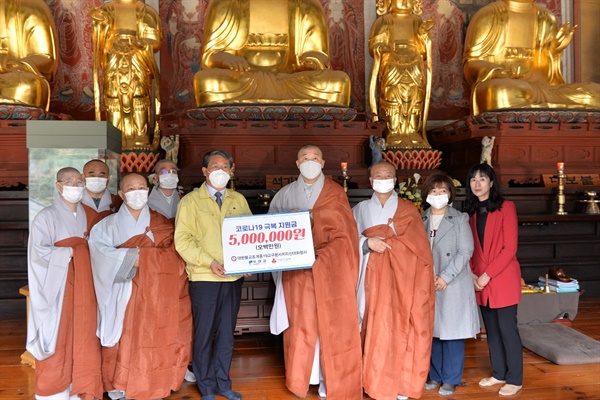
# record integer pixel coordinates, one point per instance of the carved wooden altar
(13, 149)
(265, 140)
(528, 143)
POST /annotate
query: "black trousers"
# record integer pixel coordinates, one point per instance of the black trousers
(504, 343)
(215, 307)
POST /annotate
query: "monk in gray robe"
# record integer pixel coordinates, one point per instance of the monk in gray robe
(61, 326)
(395, 295)
(316, 308)
(164, 197)
(145, 321)
(96, 195)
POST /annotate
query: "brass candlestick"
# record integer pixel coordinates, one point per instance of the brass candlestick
(232, 177)
(345, 178)
(546, 286)
(265, 199)
(561, 196)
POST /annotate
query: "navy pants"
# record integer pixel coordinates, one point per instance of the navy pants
(504, 343)
(215, 306)
(447, 361)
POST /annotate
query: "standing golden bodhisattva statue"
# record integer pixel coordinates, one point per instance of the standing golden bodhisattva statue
(268, 51)
(400, 85)
(512, 60)
(126, 35)
(28, 59)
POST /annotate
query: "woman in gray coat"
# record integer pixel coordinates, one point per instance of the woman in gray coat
(456, 314)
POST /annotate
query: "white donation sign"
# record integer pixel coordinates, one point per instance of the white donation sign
(267, 242)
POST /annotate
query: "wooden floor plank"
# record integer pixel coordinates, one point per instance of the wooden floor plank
(258, 371)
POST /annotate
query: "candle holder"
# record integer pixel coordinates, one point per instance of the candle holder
(345, 178)
(547, 286)
(560, 198)
(264, 199)
(232, 179)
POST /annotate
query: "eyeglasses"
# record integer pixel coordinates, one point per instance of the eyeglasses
(214, 167)
(71, 182)
(167, 171)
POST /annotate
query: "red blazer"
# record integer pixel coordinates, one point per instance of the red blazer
(498, 258)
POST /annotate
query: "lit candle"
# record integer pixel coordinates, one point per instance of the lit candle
(344, 166)
(560, 166)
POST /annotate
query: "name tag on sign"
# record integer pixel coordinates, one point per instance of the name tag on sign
(267, 242)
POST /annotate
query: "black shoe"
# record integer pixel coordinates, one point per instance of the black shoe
(431, 384)
(231, 395)
(447, 389)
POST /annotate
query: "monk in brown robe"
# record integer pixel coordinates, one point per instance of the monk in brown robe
(61, 328)
(145, 315)
(397, 297)
(322, 339)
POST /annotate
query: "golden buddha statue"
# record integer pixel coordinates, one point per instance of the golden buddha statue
(28, 59)
(267, 51)
(126, 34)
(400, 85)
(512, 60)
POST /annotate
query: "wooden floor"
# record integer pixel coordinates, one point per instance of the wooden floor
(257, 369)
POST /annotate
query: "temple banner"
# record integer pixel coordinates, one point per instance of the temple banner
(268, 242)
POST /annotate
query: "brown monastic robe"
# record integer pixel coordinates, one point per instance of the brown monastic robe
(155, 348)
(77, 359)
(398, 321)
(321, 302)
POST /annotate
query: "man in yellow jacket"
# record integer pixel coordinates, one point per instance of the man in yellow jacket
(215, 297)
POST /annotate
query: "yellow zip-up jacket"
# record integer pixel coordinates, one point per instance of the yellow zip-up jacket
(198, 231)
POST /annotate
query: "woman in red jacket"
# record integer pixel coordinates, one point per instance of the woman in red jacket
(496, 276)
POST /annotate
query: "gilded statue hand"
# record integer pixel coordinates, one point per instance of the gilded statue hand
(230, 61)
(16, 66)
(313, 61)
(563, 38)
(426, 26)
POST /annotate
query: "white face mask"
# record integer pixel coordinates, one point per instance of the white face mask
(136, 199)
(95, 185)
(219, 178)
(438, 202)
(168, 181)
(383, 185)
(72, 194)
(310, 169)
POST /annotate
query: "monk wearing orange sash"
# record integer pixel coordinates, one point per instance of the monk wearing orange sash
(145, 323)
(316, 308)
(396, 295)
(61, 330)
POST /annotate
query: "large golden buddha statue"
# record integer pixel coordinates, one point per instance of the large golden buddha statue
(400, 85)
(27, 52)
(126, 34)
(512, 60)
(267, 51)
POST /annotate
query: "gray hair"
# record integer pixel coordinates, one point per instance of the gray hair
(221, 153)
(162, 162)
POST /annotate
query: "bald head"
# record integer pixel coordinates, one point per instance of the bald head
(133, 182)
(382, 170)
(95, 168)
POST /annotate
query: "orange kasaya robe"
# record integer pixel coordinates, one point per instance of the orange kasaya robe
(77, 359)
(398, 321)
(155, 348)
(321, 302)
(94, 216)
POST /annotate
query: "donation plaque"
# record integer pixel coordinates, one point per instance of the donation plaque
(267, 242)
